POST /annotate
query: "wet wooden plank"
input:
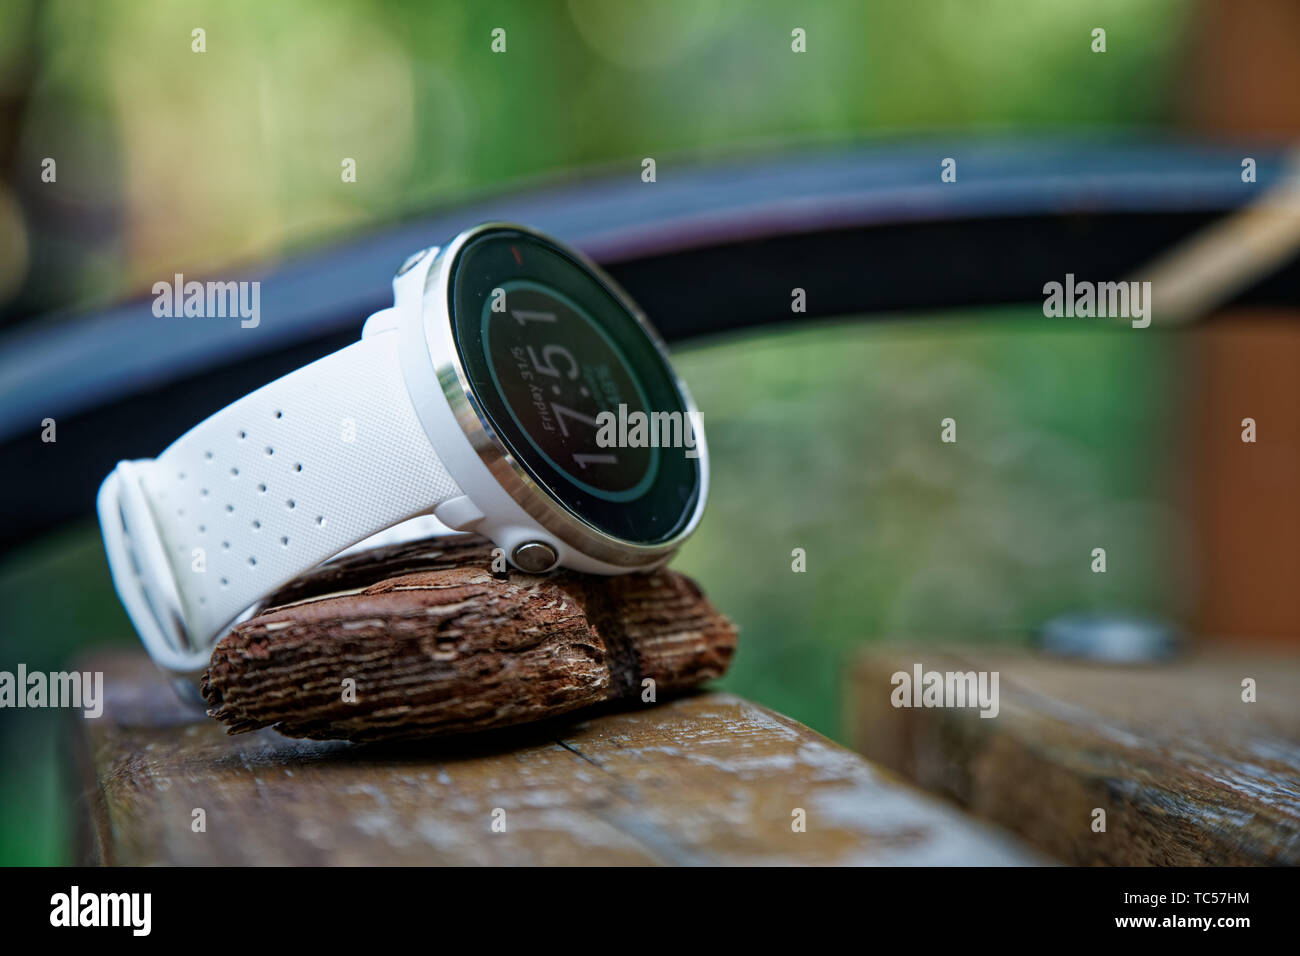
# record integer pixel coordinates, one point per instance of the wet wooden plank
(703, 779)
(1186, 771)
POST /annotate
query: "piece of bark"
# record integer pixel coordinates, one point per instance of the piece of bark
(441, 645)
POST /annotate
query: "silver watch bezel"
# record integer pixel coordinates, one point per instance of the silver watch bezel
(513, 477)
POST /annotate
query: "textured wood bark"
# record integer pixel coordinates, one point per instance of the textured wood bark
(1187, 772)
(441, 645)
(700, 779)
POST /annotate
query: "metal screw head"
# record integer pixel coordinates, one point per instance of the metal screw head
(534, 557)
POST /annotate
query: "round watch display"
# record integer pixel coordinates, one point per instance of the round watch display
(573, 384)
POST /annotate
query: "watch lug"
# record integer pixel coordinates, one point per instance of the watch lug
(382, 321)
(459, 513)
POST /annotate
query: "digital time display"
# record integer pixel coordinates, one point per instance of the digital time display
(547, 348)
(557, 370)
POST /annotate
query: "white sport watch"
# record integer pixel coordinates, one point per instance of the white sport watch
(513, 390)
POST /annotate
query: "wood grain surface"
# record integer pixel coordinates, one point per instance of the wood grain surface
(424, 639)
(701, 779)
(1186, 772)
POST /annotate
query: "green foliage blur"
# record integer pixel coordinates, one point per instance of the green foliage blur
(828, 440)
(176, 161)
(823, 437)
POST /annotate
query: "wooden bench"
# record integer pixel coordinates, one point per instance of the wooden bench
(1184, 769)
(701, 779)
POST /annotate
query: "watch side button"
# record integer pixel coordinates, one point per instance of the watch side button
(459, 513)
(534, 557)
(411, 261)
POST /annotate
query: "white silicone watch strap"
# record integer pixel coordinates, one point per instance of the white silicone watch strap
(288, 477)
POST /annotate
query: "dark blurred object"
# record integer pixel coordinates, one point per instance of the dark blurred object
(863, 231)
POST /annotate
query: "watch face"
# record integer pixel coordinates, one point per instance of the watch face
(574, 386)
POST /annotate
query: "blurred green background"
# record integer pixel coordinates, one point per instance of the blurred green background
(823, 437)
